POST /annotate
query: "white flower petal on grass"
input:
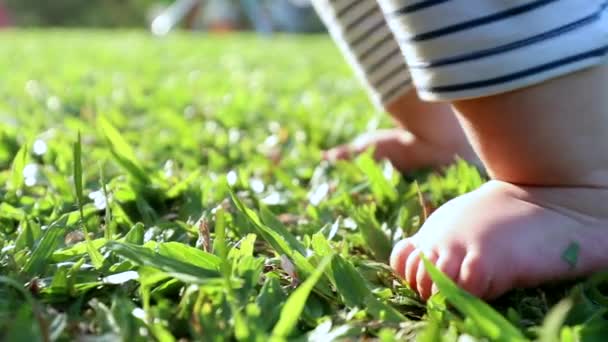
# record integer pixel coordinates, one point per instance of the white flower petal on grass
(334, 229)
(321, 332)
(318, 194)
(149, 234)
(349, 223)
(8, 248)
(231, 177)
(30, 170)
(30, 181)
(139, 313)
(121, 278)
(256, 185)
(234, 135)
(99, 199)
(169, 168)
(273, 199)
(30, 174)
(271, 141)
(39, 147)
(72, 263)
(53, 103)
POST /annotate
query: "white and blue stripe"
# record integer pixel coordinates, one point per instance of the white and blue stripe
(361, 31)
(457, 49)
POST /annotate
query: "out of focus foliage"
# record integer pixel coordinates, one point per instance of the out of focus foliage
(172, 190)
(104, 13)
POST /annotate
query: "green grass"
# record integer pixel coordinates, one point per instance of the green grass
(172, 190)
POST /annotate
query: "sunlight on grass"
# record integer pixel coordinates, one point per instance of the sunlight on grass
(172, 189)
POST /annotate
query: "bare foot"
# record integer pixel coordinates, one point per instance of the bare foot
(504, 236)
(428, 135)
(404, 150)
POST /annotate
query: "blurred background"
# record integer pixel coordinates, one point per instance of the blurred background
(162, 16)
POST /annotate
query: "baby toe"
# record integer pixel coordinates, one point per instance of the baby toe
(411, 268)
(474, 276)
(449, 263)
(400, 254)
(423, 280)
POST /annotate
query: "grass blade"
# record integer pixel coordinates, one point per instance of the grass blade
(109, 227)
(551, 328)
(17, 167)
(33, 307)
(277, 241)
(135, 235)
(381, 188)
(179, 251)
(122, 151)
(271, 221)
(351, 285)
(492, 324)
(77, 158)
(297, 300)
(46, 246)
(96, 257)
(281, 246)
(182, 270)
(77, 250)
(270, 300)
(241, 328)
(377, 241)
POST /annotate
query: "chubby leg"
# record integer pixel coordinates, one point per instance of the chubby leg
(428, 135)
(543, 217)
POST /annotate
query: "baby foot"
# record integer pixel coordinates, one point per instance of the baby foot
(504, 236)
(403, 149)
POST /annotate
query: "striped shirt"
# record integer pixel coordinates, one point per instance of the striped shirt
(458, 49)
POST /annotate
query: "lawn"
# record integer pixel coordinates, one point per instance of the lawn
(172, 189)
